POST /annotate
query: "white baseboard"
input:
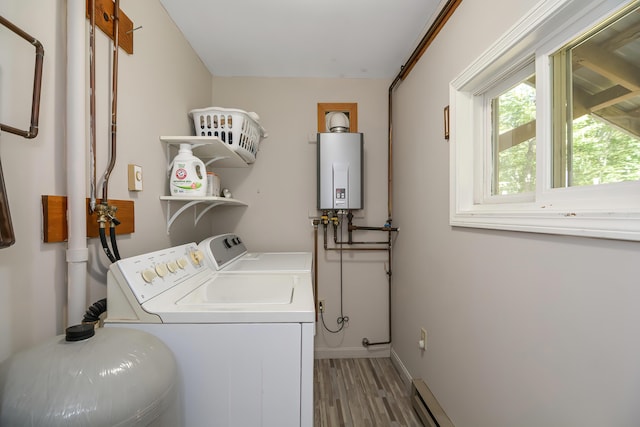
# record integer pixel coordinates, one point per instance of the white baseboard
(402, 370)
(352, 352)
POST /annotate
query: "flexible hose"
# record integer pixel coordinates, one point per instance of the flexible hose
(114, 244)
(94, 311)
(105, 246)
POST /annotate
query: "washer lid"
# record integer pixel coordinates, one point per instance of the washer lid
(237, 298)
(242, 289)
(271, 262)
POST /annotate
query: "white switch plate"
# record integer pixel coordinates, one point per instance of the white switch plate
(135, 178)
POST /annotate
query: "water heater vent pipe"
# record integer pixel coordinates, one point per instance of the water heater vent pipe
(338, 122)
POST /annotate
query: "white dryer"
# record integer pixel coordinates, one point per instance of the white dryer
(227, 253)
(243, 341)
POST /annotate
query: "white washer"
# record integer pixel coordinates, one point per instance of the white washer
(243, 341)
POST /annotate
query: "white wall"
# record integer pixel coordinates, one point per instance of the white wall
(158, 85)
(523, 329)
(32, 275)
(280, 189)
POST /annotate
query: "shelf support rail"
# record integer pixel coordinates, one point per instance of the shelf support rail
(171, 218)
(215, 159)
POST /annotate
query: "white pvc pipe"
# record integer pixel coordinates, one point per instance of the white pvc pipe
(77, 252)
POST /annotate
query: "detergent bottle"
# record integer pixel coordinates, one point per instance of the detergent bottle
(188, 175)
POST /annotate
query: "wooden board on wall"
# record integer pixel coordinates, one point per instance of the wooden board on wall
(104, 21)
(54, 218)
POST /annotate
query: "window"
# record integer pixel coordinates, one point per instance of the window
(596, 105)
(545, 126)
(513, 139)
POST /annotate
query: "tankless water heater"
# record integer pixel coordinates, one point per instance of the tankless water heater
(340, 174)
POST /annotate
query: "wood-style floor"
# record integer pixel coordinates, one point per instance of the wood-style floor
(360, 392)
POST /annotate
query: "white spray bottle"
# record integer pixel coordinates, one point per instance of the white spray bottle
(188, 175)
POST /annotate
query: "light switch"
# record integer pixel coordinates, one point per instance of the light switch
(135, 178)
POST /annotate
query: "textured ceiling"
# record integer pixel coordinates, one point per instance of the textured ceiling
(303, 38)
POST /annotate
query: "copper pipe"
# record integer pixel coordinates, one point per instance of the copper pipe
(437, 25)
(7, 235)
(37, 83)
(114, 101)
(350, 240)
(362, 243)
(442, 18)
(354, 249)
(315, 265)
(430, 35)
(365, 341)
(385, 228)
(351, 228)
(327, 248)
(390, 152)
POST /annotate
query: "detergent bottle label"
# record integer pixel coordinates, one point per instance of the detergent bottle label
(188, 178)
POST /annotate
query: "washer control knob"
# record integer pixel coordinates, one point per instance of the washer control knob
(148, 275)
(161, 269)
(172, 266)
(226, 243)
(197, 256)
(182, 263)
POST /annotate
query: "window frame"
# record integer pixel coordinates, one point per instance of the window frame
(605, 211)
(488, 173)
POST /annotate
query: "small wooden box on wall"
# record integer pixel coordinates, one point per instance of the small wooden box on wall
(54, 218)
(349, 108)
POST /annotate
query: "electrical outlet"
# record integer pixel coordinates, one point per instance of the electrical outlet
(321, 306)
(423, 339)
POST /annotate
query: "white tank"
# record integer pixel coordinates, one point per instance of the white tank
(117, 377)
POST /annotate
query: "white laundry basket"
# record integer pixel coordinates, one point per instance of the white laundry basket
(236, 128)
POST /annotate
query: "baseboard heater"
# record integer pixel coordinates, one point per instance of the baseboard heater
(427, 407)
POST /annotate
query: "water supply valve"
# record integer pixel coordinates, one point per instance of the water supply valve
(101, 212)
(111, 214)
(325, 218)
(106, 213)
